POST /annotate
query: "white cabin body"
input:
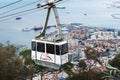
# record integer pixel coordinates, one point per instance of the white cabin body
(52, 52)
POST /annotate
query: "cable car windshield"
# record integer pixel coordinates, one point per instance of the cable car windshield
(57, 49)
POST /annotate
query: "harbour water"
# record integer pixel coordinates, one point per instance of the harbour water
(18, 37)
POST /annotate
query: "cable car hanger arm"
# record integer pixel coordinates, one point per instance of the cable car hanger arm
(51, 5)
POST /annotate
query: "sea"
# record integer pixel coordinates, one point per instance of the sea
(19, 37)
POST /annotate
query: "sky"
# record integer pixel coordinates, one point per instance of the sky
(88, 12)
(97, 13)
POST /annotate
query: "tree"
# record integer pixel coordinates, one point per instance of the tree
(67, 68)
(115, 62)
(84, 76)
(26, 55)
(11, 66)
(91, 55)
(28, 62)
(11, 48)
(112, 73)
(82, 64)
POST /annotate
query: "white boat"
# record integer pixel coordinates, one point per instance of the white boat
(26, 29)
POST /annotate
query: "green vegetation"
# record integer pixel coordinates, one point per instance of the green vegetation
(91, 54)
(14, 67)
(87, 75)
(116, 61)
(82, 64)
(112, 73)
(26, 56)
(11, 66)
(113, 67)
(67, 68)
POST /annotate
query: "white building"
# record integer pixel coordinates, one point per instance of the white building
(105, 35)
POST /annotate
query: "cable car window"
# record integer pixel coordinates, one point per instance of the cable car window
(50, 48)
(40, 47)
(57, 50)
(64, 49)
(33, 45)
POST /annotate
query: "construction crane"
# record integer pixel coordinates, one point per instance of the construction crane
(50, 52)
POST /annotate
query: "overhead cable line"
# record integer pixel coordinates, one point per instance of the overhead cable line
(17, 13)
(19, 7)
(22, 14)
(10, 15)
(10, 4)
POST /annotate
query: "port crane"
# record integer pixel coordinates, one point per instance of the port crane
(50, 52)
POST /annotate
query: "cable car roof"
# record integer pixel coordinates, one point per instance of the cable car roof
(50, 42)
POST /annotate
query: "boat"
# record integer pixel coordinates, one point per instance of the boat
(40, 28)
(26, 29)
(37, 28)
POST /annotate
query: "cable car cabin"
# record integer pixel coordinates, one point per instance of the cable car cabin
(53, 52)
(50, 52)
